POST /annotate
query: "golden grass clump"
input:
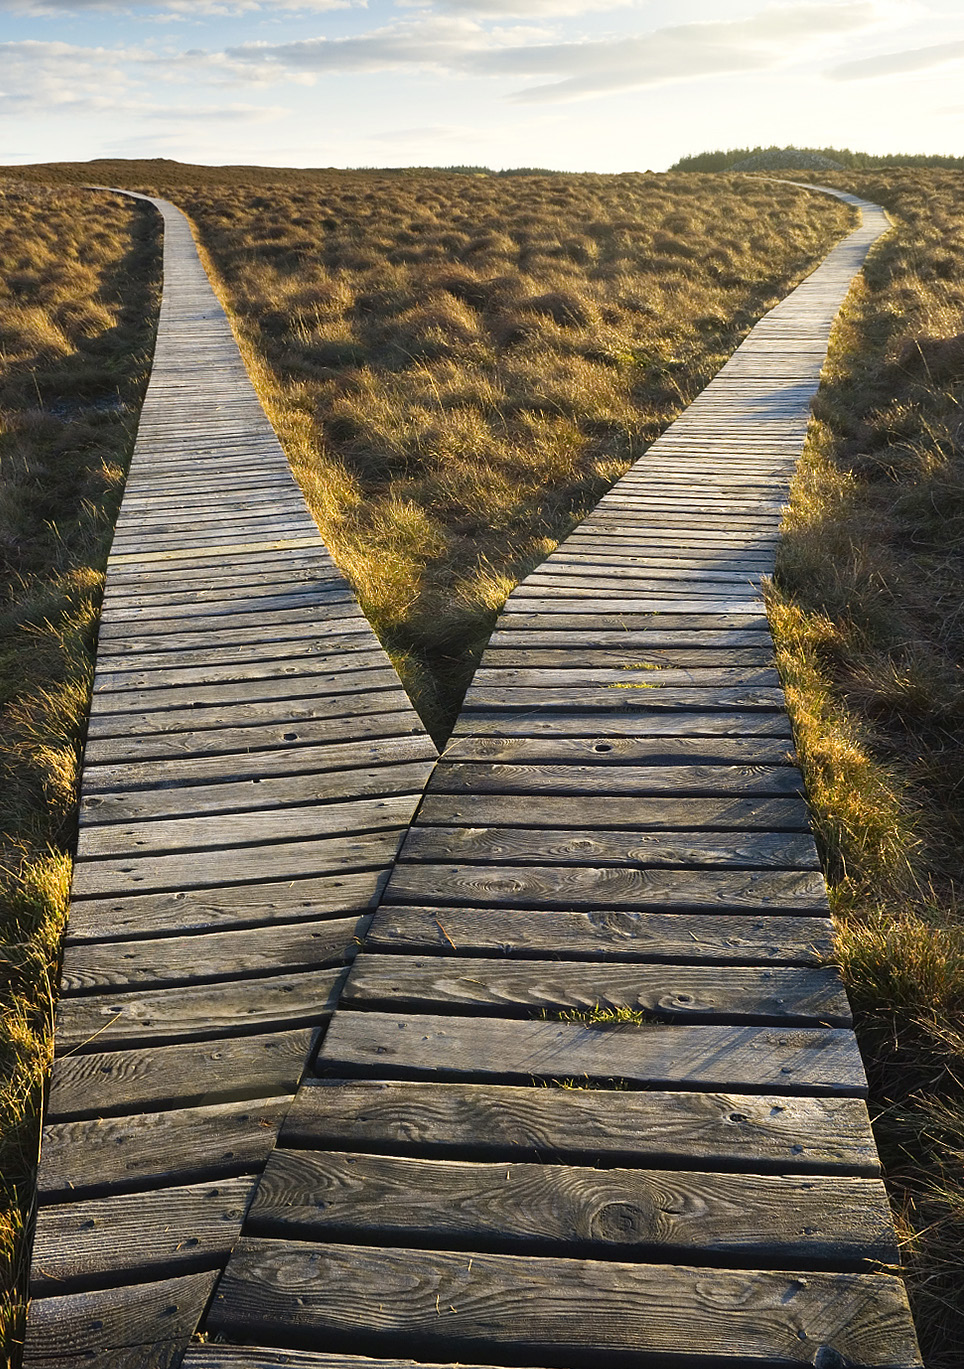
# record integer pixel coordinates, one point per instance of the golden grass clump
(868, 618)
(460, 366)
(77, 310)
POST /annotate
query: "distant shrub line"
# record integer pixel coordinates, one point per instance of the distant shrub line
(810, 157)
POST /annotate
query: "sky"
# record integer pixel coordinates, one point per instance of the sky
(574, 85)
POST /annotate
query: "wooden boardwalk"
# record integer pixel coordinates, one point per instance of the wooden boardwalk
(252, 763)
(589, 1098)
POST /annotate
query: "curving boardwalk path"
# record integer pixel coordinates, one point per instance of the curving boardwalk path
(589, 1096)
(252, 763)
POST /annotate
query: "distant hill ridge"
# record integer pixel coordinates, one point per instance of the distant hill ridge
(805, 159)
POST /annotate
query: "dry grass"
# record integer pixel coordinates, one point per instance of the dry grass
(76, 306)
(870, 630)
(458, 366)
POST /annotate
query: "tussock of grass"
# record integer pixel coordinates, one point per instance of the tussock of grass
(867, 613)
(77, 309)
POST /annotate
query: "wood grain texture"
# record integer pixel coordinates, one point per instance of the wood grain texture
(260, 1357)
(138, 1236)
(798, 1060)
(601, 846)
(284, 860)
(275, 731)
(157, 1313)
(728, 1131)
(604, 934)
(644, 1213)
(255, 827)
(511, 987)
(495, 777)
(161, 962)
(663, 813)
(119, 1154)
(195, 1074)
(648, 751)
(576, 722)
(228, 905)
(549, 886)
(196, 1011)
(582, 1312)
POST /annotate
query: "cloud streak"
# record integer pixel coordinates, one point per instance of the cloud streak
(899, 63)
(462, 46)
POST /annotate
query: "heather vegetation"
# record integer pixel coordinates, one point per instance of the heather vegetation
(459, 367)
(77, 300)
(867, 611)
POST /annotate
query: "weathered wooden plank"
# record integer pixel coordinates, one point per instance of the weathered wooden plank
(625, 604)
(172, 633)
(579, 1312)
(798, 1060)
(264, 791)
(205, 869)
(171, 536)
(217, 603)
(659, 629)
(730, 1131)
(673, 751)
(612, 887)
(307, 707)
(284, 562)
(603, 933)
(582, 657)
(496, 777)
(750, 1219)
(162, 1313)
(354, 654)
(636, 631)
(138, 1235)
(593, 573)
(582, 723)
(214, 1356)
(377, 716)
(136, 780)
(234, 650)
(517, 987)
(622, 677)
(196, 1011)
(83, 1159)
(251, 828)
(158, 696)
(164, 961)
(157, 1355)
(192, 1074)
(638, 694)
(225, 906)
(576, 846)
(663, 813)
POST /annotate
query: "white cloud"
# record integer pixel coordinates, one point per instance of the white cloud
(47, 76)
(433, 41)
(897, 63)
(63, 79)
(547, 9)
(460, 46)
(173, 9)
